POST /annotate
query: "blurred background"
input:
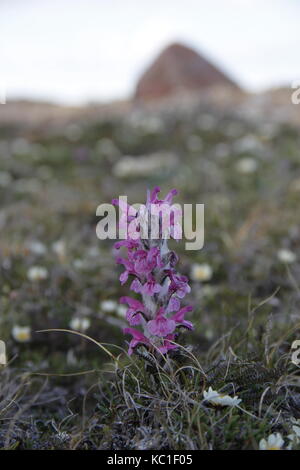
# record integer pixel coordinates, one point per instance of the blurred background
(74, 51)
(107, 98)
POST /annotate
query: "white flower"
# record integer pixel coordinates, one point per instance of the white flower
(93, 252)
(246, 165)
(209, 334)
(83, 264)
(274, 442)
(249, 143)
(62, 436)
(37, 273)
(22, 334)
(59, 248)
(3, 359)
(71, 358)
(208, 291)
(108, 306)
(201, 272)
(215, 398)
(121, 311)
(36, 247)
(80, 324)
(79, 263)
(296, 429)
(294, 437)
(286, 256)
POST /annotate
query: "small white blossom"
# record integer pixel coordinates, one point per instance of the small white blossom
(3, 359)
(21, 334)
(208, 291)
(79, 264)
(274, 442)
(59, 248)
(93, 252)
(209, 334)
(62, 436)
(296, 429)
(71, 358)
(218, 399)
(246, 165)
(248, 143)
(286, 256)
(121, 311)
(80, 324)
(108, 305)
(294, 437)
(201, 272)
(37, 248)
(37, 273)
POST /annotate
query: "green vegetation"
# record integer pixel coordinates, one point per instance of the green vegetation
(62, 391)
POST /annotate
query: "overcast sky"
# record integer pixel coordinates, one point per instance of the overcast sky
(73, 51)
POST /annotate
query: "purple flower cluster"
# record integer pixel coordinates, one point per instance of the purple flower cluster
(151, 267)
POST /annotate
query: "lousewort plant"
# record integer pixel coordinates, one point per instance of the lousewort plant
(150, 265)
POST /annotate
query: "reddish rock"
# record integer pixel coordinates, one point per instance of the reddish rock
(179, 68)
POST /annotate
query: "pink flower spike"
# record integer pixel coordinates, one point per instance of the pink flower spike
(137, 337)
(123, 277)
(173, 305)
(161, 326)
(152, 266)
(167, 344)
(129, 244)
(133, 303)
(179, 317)
(179, 284)
(124, 206)
(146, 261)
(151, 287)
(129, 269)
(136, 286)
(153, 195)
(133, 315)
(170, 195)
